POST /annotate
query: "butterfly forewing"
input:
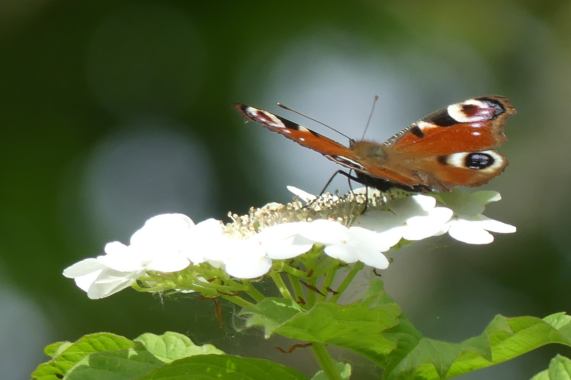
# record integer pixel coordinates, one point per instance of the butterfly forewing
(303, 136)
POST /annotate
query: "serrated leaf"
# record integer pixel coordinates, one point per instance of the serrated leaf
(117, 365)
(56, 348)
(358, 326)
(503, 339)
(559, 369)
(270, 313)
(224, 367)
(172, 346)
(69, 354)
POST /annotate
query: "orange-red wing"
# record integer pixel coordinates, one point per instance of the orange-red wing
(303, 136)
(470, 126)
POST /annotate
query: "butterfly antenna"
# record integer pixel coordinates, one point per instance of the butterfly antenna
(375, 100)
(281, 105)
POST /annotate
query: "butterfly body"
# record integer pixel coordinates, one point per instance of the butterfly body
(451, 147)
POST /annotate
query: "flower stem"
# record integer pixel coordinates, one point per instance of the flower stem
(347, 280)
(294, 272)
(325, 361)
(280, 284)
(255, 293)
(329, 277)
(297, 290)
(240, 302)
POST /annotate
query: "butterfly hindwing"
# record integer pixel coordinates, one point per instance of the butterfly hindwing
(473, 125)
(454, 146)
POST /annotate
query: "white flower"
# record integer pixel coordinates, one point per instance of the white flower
(419, 216)
(341, 242)
(285, 241)
(348, 244)
(360, 244)
(243, 258)
(414, 218)
(204, 238)
(246, 248)
(468, 224)
(162, 244)
(98, 280)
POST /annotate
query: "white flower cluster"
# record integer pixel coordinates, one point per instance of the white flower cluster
(171, 242)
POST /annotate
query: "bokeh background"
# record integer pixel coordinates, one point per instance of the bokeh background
(114, 111)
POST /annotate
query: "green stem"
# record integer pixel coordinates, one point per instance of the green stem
(311, 293)
(297, 290)
(280, 284)
(240, 302)
(325, 361)
(329, 277)
(255, 293)
(294, 272)
(347, 280)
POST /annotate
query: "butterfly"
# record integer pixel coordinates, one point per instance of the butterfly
(454, 146)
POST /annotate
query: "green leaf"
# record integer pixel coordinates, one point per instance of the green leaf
(119, 365)
(55, 348)
(502, 340)
(559, 369)
(343, 368)
(111, 357)
(224, 367)
(270, 313)
(172, 346)
(66, 354)
(358, 326)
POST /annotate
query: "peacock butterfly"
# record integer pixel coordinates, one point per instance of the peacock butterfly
(451, 147)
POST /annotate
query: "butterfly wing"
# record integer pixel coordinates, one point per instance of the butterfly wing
(453, 146)
(303, 136)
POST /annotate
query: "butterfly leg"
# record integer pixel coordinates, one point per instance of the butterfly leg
(349, 178)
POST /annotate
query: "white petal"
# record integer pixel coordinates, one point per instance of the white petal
(163, 235)
(122, 259)
(487, 196)
(368, 246)
(341, 252)
(161, 228)
(245, 258)
(110, 282)
(284, 241)
(86, 281)
(368, 240)
(497, 226)
(399, 211)
(168, 263)
(425, 202)
(374, 259)
(469, 203)
(379, 221)
(115, 247)
(469, 232)
(325, 232)
(422, 227)
(205, 240)
(392, 236)
(83, 267)
(301, 194)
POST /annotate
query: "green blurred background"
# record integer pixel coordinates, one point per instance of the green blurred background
(114, 111)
